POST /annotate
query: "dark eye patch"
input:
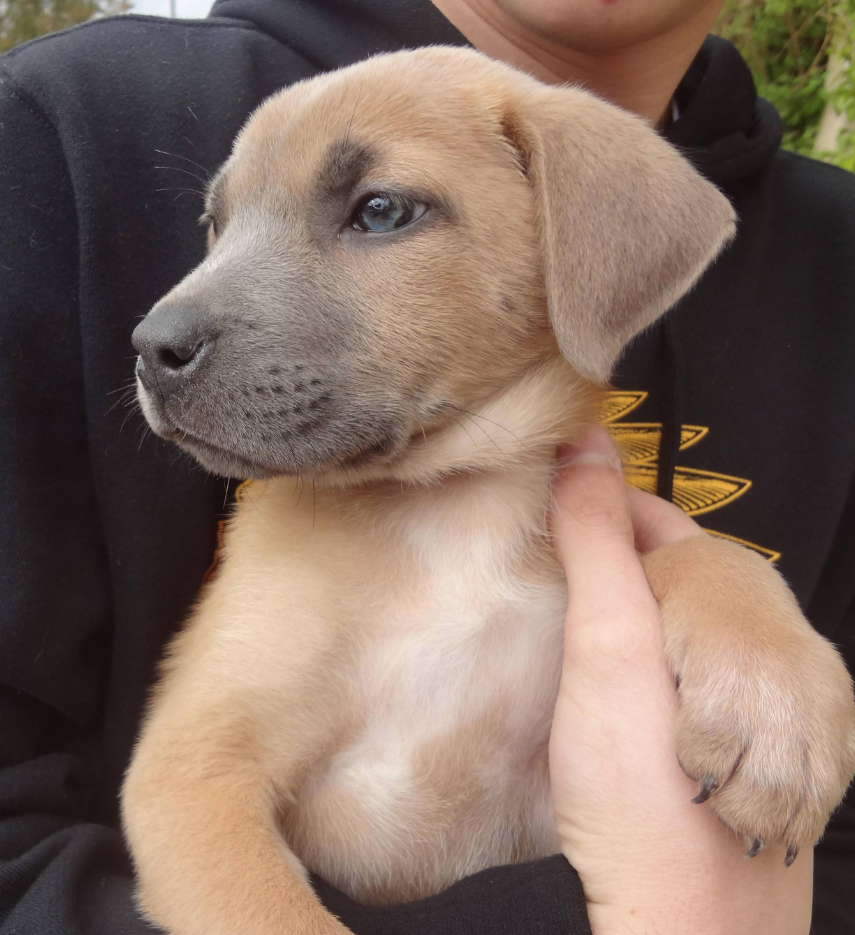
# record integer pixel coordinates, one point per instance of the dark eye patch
(345, 165)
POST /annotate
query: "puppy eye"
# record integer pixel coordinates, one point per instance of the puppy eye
(210, 222)
(381, 212)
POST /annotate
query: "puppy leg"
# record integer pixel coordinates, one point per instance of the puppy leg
(199, 814)
(766, 720)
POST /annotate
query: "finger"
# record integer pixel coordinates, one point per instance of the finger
(590, 505)
(614, 667)
(657, 522)
(592, 528)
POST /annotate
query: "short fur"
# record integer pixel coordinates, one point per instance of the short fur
(366, 688)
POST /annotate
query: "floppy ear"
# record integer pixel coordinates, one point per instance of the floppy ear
(626, 224)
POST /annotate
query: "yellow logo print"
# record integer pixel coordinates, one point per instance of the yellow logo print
(696, 491)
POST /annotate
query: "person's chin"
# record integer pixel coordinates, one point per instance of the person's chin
(592, 26)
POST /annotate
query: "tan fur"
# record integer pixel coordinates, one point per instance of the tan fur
(366, 688)
(766, 706)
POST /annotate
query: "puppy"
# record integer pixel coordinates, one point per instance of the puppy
(421, 271)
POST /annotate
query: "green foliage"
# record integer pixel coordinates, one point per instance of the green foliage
(788, 45)
(22, 20)
(845, 156)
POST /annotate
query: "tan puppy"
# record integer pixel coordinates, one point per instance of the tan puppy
(421, 269)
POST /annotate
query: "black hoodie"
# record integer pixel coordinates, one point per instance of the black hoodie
(741, 406)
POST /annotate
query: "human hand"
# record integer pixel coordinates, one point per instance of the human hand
(649, 859)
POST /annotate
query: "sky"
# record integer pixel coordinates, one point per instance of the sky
(184, 8)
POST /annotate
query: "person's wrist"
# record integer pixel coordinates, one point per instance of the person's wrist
(647, 902)
(615, 920)
(726, 894)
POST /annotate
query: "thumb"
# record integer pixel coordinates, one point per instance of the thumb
(592, 520)
(610, 607)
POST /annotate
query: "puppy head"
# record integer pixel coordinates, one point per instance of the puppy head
(395, 243)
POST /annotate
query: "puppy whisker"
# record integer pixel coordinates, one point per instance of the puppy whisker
(481, 428)
(474, 443)
(125, 387)
(195, 191)
(185, 171)
(192, 162)
(146, 432)
(126, 399)
(128, 415)
(475, 415)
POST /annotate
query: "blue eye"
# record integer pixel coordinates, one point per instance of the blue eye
(381, 213)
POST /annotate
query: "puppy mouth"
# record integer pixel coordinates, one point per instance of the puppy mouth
(229, 462)
(248, 457)
(374, 451)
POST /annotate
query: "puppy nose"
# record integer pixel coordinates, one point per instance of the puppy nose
(172, 344)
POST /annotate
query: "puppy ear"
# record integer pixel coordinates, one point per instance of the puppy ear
(626, 224)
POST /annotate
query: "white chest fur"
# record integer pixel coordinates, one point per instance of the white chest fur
(451, 692)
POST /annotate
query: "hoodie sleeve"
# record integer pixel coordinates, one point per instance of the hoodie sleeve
(59, 874)
(544, 896)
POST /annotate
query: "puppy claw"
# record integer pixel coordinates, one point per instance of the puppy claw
(707, 786)
(770, 779)
(757, 845)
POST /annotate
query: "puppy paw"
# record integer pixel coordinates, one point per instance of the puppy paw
(768, 730)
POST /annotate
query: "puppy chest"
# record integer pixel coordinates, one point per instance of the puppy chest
(453, 702)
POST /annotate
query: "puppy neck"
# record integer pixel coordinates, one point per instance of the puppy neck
(470, 498)
(475, 495)
(516, 429)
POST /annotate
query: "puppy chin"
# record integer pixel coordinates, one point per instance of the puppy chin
(227, 464)
(224, 463)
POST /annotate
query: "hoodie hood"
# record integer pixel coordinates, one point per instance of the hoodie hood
(726, 131)
(723, 127)
(335, 33)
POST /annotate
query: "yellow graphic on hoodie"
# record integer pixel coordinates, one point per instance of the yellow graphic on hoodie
(696, 491)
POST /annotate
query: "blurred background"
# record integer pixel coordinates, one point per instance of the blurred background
(802, 54)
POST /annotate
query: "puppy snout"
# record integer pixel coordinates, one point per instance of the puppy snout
(173, 343)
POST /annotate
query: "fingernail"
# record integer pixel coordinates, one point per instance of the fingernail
(594, 446)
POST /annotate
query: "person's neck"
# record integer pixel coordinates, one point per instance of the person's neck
(641, 78)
